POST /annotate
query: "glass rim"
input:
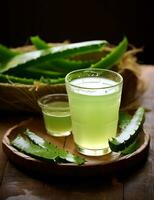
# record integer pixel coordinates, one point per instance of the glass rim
(48, 96)
(94, 69)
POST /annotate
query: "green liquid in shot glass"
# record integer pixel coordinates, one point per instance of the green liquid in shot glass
(57, 121)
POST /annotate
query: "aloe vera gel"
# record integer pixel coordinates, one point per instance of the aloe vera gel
(56, 114)
(94, 99)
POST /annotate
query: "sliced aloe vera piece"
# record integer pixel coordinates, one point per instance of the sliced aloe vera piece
(41, 56)
(39, 148)
(47, 145)
(129, 133)
(113, 57)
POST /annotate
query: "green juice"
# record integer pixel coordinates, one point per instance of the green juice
(94, 111)
(57, 121)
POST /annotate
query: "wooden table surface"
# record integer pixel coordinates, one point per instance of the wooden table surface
(135, 185)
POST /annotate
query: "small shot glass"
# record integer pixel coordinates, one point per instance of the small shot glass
(56, 114)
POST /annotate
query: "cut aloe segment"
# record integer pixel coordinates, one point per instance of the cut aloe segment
(39, 148)
(61, 153)
(129, 133)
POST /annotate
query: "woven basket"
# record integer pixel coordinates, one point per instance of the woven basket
(19, 97)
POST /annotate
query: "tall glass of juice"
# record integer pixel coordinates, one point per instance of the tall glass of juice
(94, 100)
(56, 114)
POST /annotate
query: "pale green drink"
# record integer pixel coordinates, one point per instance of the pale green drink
(56, 114)
(94, 104)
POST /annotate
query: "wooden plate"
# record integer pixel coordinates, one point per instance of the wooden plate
(110, 164)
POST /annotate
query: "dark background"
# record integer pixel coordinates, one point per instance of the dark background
(59, 20)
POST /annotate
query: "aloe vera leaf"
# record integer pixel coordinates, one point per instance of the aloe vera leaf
(35, 73)
(64, 65)
(39, 43)
(41, 56)
(47, 145)
(6, 54)
(129, 133)
(124, 120)
(113, 57)
(4, 78)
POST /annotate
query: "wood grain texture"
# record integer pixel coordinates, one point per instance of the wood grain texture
(134, 185)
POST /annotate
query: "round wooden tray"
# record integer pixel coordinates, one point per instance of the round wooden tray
(110, 164)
